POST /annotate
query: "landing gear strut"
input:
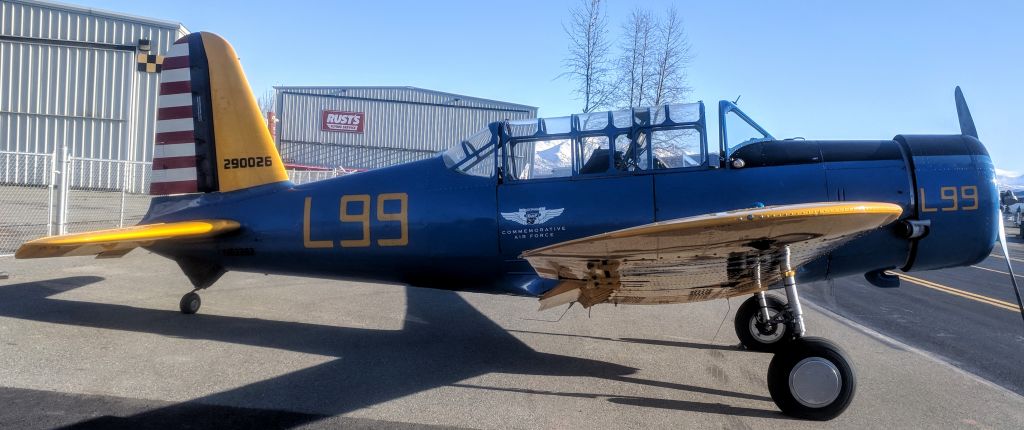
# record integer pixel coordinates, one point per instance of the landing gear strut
(190, 303)
(808, 377)
(763, 322)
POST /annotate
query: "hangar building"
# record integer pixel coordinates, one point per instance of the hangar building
(371, 127)
(78, 110)
(71, 75)
(85, 79)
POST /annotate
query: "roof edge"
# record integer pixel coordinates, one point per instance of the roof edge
(399, 87)
(174, 25)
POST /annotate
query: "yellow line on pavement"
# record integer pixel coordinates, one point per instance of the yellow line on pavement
(997, 271)
(956, 292)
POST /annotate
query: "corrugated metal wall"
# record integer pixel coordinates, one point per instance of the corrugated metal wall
(401, 124)
(68, 75)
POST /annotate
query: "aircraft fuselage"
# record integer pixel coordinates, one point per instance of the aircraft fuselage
(424, 224)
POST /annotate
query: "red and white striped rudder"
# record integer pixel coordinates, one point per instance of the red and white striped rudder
(174, 157)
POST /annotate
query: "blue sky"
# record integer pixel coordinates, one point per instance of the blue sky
(820, 70)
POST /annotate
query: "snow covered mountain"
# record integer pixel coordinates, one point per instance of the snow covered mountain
(1009, 179)
(554, 158)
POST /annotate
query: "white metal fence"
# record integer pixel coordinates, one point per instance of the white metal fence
(26, 198)
(48, 194)
(37, 199)
(103, 194)
(305, 176)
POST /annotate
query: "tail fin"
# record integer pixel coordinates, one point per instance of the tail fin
(210, 135)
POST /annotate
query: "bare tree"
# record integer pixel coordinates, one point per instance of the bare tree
(635, 64)
(266, 102)
(671, 59)
(587, 63)
(649, 68)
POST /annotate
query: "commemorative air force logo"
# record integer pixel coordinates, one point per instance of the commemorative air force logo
(532, 216)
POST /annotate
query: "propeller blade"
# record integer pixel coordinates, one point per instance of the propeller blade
(1009, 264)
(964, 114)
(967, 129)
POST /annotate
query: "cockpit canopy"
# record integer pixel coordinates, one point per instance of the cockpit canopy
(600, 143)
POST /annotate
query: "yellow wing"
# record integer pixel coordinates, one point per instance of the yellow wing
(119, 241)
(703, 257)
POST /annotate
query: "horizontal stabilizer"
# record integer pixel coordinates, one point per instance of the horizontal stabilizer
(116, 242)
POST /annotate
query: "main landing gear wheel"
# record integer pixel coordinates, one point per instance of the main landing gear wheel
(190, 303)
(811, 379)
(758, 334)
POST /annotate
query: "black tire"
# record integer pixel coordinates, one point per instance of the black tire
(190, 303)
(782, 365)
(748, 316)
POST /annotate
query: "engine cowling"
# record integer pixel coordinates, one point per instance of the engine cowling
(955, 199)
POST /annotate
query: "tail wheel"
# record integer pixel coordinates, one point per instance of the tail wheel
(190, 303)
(755, 333)
(812, 379)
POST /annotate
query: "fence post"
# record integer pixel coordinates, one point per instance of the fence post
(51, 186)
(62, 210)
(124, 189)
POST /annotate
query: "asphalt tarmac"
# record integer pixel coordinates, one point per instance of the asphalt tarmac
(966, 316)
(92, 343)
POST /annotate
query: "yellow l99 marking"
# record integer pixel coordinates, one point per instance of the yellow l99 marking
(363, 217)
(973, 195)
(401, 216)
(306, 241)
(957, 195)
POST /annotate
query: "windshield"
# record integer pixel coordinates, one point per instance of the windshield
(473, 156)
(736, 129)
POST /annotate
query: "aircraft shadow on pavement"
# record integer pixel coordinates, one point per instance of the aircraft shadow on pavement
(444, 340)
(672, 343)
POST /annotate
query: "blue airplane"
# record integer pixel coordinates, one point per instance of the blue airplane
(624, 207)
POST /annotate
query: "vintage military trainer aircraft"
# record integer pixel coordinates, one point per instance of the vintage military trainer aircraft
(627, 207)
